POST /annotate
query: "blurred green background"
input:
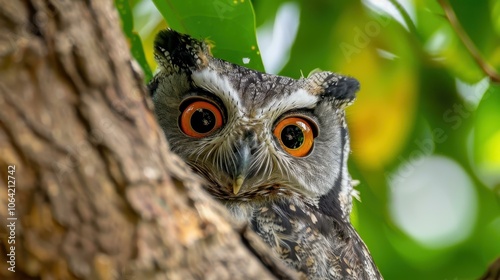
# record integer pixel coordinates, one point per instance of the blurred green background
(425, 127)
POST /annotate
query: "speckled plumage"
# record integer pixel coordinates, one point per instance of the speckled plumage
(299, 206)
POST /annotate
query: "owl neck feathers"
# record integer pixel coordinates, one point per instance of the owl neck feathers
(337, 202)
(340, 91)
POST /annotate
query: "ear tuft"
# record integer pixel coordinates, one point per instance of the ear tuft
(177, 52)
(331, 86)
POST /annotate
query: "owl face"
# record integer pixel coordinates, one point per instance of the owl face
(252, 136)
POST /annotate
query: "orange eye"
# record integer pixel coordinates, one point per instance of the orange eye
(295, 135)
(200, 119)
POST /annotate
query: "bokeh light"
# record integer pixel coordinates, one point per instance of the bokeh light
(433, 201)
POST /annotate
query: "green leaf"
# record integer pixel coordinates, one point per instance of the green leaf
(135, 42)
(228, 24)
(487, 138)
(495, 15)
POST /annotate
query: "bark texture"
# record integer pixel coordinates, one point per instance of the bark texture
(493, 272)
(98, 195)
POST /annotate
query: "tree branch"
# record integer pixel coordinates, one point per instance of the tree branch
(469, 45)
(98, 194)
(493, 272)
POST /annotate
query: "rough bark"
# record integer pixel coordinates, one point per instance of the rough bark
(493, 272)
(98, 195)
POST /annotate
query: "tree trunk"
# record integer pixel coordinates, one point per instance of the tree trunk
(89, 189)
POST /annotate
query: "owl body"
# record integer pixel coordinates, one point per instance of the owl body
(272, 149)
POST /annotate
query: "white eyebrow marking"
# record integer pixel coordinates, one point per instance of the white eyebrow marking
(295, 100)
(219, 85)
(210, 81)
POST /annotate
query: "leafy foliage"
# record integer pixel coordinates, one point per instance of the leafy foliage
(425, 95)
(234, 39)
(125, 11)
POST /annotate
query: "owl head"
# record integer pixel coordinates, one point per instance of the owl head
(254, 136)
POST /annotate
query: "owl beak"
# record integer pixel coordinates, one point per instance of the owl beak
(243, 159)
(237, 184)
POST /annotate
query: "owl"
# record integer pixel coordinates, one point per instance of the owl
(272, 149)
